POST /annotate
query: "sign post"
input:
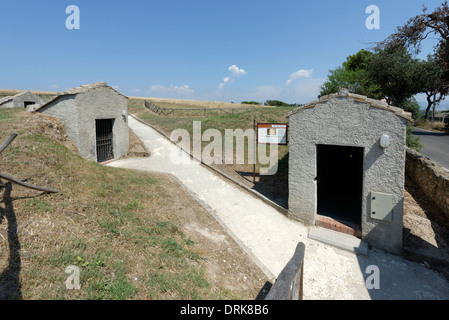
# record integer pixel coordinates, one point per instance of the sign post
(269, 133)
(272, 133)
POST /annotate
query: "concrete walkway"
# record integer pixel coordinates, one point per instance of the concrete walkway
(270, 238)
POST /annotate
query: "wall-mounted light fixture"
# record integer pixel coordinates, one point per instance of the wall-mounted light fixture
(385, 141)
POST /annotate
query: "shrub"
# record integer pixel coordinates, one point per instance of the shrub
(250, 102)
(276, 103)
(411, 105)
(412, 141)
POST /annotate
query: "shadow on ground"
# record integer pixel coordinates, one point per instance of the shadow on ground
(274, 187)
(10, 287)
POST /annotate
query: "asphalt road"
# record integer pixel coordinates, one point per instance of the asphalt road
(435, 145)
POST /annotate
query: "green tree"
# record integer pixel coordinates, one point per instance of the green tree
(353, 75)
(250, 102)
(412, 34)
(432, 82)
(276, 103)
(397, 73)
(419, 28)
(412, 106)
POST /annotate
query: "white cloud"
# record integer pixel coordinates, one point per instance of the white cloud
(115, 87)
(172, 89)
(300, 74)
(54, 86)
(235, 72)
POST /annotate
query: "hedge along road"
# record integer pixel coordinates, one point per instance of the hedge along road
(435, 145)
(270, 238)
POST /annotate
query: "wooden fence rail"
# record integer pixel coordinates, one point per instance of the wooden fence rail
(289, 284)
(192, 112)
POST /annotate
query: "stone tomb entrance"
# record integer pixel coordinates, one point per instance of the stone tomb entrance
(346, 167)
(104, 137)
(95, 117)
(339, 183)
(28, 103)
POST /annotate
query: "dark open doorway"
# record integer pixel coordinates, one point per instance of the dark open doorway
(104, 133)
(340, 182)
(28, 103)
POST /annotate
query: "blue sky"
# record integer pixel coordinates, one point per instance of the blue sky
(191, 49)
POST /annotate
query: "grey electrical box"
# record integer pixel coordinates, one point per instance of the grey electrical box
(381, 206)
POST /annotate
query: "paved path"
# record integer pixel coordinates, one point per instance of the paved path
(435, 145)
(270, 238)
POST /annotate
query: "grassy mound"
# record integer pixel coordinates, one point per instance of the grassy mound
(121, 228)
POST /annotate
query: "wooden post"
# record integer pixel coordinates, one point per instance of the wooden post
(289, 284)
(8, 141)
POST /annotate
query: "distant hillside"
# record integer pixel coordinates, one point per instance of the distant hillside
(167, 103)
(173, 103)
(46, 95)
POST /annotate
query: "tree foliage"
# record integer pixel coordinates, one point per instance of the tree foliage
(250, 102)
(397, 73)
(411, 35)
(412, 141)
(412, 106)
(353, 75)
(420, 28)
(276, 103)
(432, 83)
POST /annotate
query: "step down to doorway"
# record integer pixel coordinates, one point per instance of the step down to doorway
(345, 227)
(339, 240)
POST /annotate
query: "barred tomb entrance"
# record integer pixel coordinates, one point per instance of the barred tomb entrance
(105, 150)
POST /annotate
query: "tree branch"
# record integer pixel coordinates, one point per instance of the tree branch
(26, 185)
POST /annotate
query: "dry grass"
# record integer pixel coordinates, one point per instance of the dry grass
(429, 125)
(15, 91)
(46, 95)
(192, 104)
(133, 235)
(274, 187)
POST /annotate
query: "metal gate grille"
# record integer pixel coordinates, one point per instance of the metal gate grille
(104, 139)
